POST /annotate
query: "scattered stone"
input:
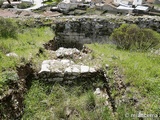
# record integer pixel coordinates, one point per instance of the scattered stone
(157, 52)
(98, 91)
(107, 66)
(68, 111)
(66, 52)
(86, 50)
(101, 94)
(12, 54)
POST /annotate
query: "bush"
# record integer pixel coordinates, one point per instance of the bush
(130, 36)
(1, 2)
(8, 76)
(8, 28)
(24, 5)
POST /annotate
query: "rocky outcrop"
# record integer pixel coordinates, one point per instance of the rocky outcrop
(73, 32)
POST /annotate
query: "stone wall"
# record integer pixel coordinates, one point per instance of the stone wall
(73, 32)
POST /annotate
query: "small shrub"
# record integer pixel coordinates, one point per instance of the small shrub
(130, 36)
(58, 1)
(1, 2)
(90, 11)
(8, 76)
(24, 5)
(8, 28)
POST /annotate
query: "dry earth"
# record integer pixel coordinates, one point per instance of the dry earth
(7, 13)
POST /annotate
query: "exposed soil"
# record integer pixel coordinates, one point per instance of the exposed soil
(13, 13)
(11, 102)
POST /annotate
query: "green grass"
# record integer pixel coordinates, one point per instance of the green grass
(26, 46)
(52, 2)
(141, 70)
(51, 101)
(157, 5)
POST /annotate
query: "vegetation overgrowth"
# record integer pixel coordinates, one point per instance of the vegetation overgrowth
(142, 75)
(54, 101)
(23, 41)
(52, 2)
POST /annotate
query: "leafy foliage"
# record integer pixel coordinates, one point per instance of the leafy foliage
(1, 2)
(130, 36)
(9, 76)
(24, 5)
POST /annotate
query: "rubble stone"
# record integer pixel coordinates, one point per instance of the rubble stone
(64, 69)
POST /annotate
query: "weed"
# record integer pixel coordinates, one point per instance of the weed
(1, 2)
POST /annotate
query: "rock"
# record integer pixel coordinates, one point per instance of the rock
(79, 69)
(55, 65)
(12, 54)
(157, 52)
(68, 111)
(66, 52)
(87, 69)
(73, 69)
(98, 91)
(107, 66)
(106, 103)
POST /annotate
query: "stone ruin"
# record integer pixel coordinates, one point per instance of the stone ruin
(66, 71)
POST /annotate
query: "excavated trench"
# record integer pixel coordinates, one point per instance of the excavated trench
(12, 102)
